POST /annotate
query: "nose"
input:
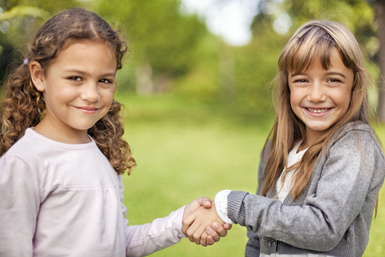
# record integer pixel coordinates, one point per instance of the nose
(317, 92)
(90, 92)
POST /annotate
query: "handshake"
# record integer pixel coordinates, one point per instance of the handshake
(201, 223)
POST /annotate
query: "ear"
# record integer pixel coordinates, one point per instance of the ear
(37, 75)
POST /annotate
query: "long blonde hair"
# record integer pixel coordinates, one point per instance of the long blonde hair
(23, 106)
(314, 39)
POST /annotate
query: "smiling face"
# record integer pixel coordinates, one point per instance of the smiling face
(319, 97)
(78, 87)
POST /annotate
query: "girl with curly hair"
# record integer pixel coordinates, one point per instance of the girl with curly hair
(63, 154)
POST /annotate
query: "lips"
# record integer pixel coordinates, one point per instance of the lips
(87, 109)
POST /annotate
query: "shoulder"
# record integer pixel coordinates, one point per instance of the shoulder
(356, 144)
(356, 126)
(20, 158)
(356, 135)
(15, 165)
(22, 147)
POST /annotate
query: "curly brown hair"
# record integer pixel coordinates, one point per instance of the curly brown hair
(23, 106)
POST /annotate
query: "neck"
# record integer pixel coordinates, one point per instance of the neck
(56, 134)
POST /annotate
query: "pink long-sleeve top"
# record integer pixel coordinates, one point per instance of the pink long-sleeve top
(61, 199)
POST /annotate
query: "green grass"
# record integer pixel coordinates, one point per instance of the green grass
(185, 150)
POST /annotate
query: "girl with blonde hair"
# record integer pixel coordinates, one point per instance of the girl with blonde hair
(322, 165)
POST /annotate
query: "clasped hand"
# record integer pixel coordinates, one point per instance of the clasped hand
(201, 223)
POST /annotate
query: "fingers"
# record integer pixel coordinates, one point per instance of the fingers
(186, 223)
(222, 232)
(194, 205)
(204, 201)
(227, 226)
(213, 234)
(203, 239)
(196, 232)
(198, 235)
(210, 240)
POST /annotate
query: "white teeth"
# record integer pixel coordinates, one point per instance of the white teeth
(317, 110)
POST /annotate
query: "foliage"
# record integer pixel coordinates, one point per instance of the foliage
(172, 52)
(19, 21)
(160, 36)
(357, 15)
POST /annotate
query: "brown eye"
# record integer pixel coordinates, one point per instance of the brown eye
(75, 78)
(333, 80)
(106, 81)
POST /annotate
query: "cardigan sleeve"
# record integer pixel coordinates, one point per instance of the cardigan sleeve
(253, 244)
(343, 181)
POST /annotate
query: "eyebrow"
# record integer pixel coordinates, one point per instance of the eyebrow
(328, 73)
(108, 74)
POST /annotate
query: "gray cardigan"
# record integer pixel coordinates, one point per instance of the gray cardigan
(333, 214)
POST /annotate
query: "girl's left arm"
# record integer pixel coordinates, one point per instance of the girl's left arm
(344, 186)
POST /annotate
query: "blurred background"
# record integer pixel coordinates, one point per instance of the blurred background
(196, 91)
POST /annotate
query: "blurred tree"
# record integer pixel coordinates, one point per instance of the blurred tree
(19, 20)
(256, 66)
(379, 7)
(163, 41)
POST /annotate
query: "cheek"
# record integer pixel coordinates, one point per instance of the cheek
(59, 94)
(108, 97)
(344, 99)
(294, 99)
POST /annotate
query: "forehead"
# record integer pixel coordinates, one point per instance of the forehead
(85, 55)
(308, 44)
(84, 46)
(316, 66)
(85, 42)
(308, 53)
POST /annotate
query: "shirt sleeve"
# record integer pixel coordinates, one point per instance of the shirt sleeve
(19, 206)
(221, 205)
(349, 178)
(142, 240)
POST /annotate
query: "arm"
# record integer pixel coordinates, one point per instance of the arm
(19, 206)
(253, 244)
(142, 240)
(348, 176)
